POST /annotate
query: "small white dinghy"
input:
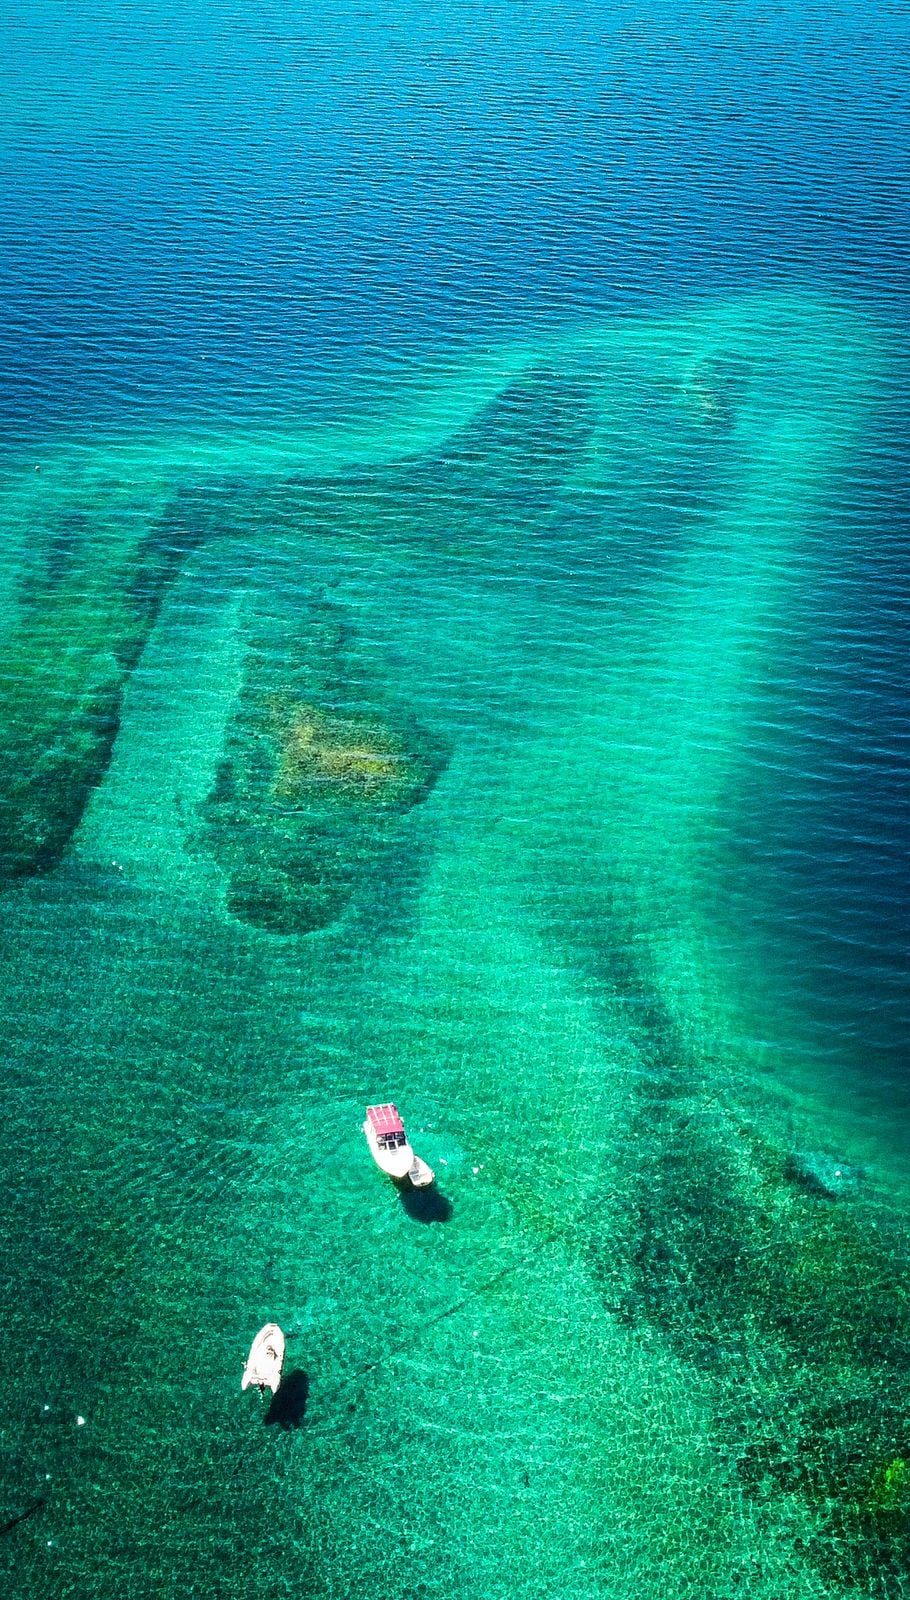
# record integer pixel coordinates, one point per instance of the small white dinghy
(390, 1150)
(265, 1360)
(420, 1174)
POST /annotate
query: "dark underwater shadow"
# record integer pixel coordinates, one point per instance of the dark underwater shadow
(289, 1402)
(424, 1205)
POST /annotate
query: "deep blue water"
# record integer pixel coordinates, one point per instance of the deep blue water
(214, 205)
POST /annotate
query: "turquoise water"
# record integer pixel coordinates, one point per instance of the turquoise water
(452, 503)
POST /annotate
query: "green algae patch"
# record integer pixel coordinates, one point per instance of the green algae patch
(349, 759)
(890, 1492)
(318, 777)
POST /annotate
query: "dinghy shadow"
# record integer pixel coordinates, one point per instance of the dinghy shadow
(424, 1205)
(288, 1404)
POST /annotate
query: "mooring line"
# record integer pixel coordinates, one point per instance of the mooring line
(23, 1516)
(412, 1338)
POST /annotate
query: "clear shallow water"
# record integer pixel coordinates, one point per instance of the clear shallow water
(467, 540)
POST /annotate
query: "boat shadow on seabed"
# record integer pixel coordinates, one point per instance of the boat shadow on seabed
(288, 1404)
(424, 1205)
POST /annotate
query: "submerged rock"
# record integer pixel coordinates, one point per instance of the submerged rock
(822, 1174)
(82, 629)
(350, 758)
(316, 780)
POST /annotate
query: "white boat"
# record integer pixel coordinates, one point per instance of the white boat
(421, 1174)
(265, 1360)
(390, 1149)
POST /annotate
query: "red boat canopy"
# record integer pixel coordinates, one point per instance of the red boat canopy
(385, 1119)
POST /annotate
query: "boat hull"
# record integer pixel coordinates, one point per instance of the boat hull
(420, 1174)
(265, 1360)
(400, 1163)
(396, 1163)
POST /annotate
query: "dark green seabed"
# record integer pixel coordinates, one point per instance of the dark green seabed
(413, 757)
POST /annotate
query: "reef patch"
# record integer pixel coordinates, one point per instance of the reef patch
(319, 773)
